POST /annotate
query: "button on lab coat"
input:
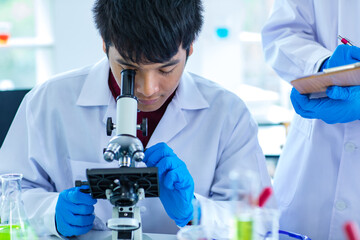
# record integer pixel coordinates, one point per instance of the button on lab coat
(60, 130)
(317, 177)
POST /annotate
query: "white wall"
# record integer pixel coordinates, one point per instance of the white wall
(219, 59)
(76, 40)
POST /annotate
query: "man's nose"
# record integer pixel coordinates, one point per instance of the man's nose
(147, 84)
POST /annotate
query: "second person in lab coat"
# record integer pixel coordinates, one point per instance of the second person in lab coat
(316, 180)
(199, 131)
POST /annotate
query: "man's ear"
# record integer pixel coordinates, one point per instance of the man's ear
(191, 49)
(104, 46)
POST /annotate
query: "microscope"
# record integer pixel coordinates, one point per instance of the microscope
(126, 185)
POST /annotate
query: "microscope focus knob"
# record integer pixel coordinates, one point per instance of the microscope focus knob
(109, 126)
(143, 126)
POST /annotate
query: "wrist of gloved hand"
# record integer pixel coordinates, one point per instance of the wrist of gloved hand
(176, 183)
(74, 212)
(323, 65)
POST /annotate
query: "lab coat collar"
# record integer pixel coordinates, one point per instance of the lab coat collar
(187, 98)
(188, 95)
(95, 91)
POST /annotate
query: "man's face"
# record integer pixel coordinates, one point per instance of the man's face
(154, 83)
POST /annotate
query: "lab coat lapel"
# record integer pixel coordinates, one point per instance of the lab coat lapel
(96, 91)
(187, 98)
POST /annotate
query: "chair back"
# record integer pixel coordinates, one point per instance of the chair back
(9, 104)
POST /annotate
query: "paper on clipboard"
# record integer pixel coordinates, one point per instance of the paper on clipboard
(347, 75)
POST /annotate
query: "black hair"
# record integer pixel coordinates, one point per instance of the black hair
(148, 31)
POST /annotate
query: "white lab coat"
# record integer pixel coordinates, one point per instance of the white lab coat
(317, 176)
(59, 131)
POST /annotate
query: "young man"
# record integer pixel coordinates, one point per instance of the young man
(317, 175)
(198, 131)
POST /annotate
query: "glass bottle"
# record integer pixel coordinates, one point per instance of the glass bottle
(14, 223)
(245, 187)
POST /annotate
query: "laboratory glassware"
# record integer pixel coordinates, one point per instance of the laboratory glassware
(4, 32)
(14, 223)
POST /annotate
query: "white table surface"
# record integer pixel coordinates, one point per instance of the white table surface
(106, 235)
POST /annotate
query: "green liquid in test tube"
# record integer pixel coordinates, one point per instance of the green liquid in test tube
(245, 185)
(244, 229)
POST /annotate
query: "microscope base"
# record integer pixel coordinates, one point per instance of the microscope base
(123, 214)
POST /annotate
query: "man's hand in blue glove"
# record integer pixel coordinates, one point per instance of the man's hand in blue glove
(74, 212)
(176, 183)
(343, 55)
(341, 106)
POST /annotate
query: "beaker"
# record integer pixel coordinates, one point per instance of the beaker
(245, 186)
(14, 223)
(266, 224)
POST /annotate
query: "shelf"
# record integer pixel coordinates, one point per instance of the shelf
(27, 43)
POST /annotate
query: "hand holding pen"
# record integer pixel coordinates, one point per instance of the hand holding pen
(344, 54)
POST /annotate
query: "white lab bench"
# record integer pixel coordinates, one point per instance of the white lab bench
(106, 235)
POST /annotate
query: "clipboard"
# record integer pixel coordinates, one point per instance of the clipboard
(347, 75)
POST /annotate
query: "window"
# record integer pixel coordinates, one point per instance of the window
(21, 15)
(26, 57)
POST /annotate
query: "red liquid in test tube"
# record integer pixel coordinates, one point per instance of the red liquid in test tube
(352, 231)
(4, 38)
(264, 196)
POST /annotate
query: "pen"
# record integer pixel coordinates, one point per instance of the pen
(345, 41)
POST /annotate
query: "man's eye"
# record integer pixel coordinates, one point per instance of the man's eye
(165, 72)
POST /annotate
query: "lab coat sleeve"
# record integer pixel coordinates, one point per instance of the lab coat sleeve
(42, 212)
(289, 40)
(239, 151)
(16, 156)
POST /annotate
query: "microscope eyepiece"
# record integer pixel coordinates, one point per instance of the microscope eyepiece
(127, 82)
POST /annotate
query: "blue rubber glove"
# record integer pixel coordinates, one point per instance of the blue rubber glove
(74, 212)
(343, 55)
(176, 183)
(341, 106)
